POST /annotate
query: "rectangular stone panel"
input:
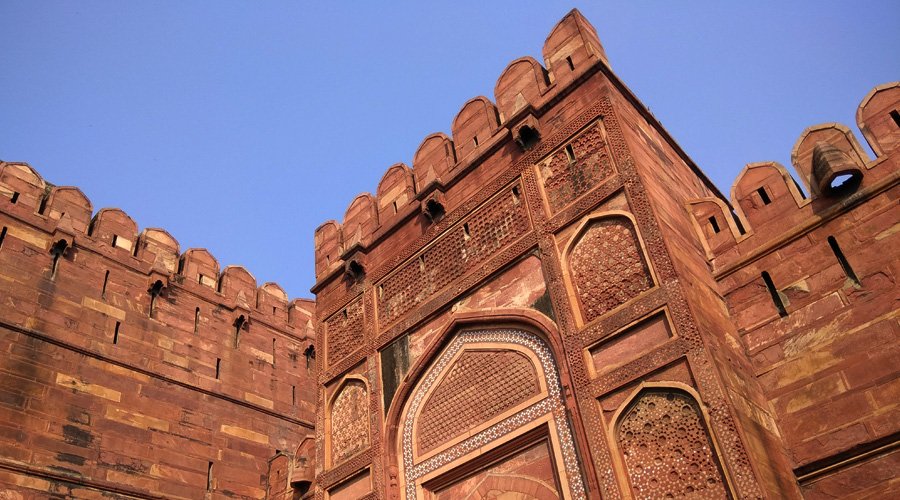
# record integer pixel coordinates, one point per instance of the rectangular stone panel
(630, 343)
(530, 473)
(353, 488)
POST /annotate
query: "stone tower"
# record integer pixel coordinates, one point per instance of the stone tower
(556, 302)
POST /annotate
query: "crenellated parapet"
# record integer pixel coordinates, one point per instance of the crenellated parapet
(433, 160)
(65, 215)
(879, 119)
(521, 84)
(573, 43)
(474, 126)
(481, 128)
(396, 190)
(767, 203)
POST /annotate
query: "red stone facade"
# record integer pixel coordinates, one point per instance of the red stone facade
(552, 302)
(561, 305)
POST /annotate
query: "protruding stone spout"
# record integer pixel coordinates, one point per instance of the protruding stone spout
(834, 173)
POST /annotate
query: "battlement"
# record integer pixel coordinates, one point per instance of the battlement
(65, 214)
(769, 207)
(417, 197)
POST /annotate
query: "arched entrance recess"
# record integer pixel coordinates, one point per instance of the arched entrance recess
(491, 394)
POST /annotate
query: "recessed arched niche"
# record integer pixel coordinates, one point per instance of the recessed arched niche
(348, 421)
(606, 265)
(666, 447)
(490, 396)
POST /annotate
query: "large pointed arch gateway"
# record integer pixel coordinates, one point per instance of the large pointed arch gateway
(486, 416)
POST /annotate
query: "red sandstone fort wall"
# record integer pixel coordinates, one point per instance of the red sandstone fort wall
(826, 360)
(102, 394)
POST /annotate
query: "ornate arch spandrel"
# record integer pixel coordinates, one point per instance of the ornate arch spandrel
(665, 445)
(548, 411)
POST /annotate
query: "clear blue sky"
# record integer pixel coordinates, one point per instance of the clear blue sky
(241, 126)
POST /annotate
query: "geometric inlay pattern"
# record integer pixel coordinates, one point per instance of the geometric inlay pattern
(551, 405)
(349, 421)
(479, 386)
(608, 266)
(568, 177)
(460, 249)
(667, 448)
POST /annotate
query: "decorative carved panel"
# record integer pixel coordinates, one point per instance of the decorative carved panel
(349, 421)
(344, 332)
(465, 246)
(576, 168)
(607, 266)
(479, 386)
(667, 448)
